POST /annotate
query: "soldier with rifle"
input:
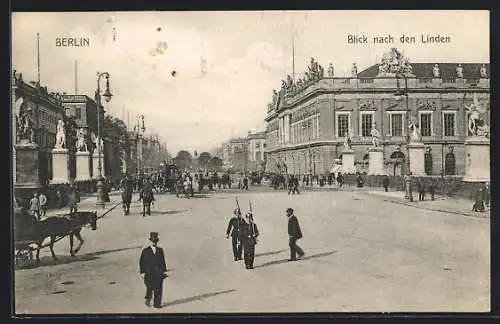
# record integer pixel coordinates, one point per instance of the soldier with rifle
(233, 228)
(250, 233)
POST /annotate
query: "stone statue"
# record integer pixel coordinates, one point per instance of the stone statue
(275, 96)
(375, 136)
(477, 125)
(25, 128)
(81, 145)
(299, 84)
(354, 70)
(381, 70)
(348, 141)
(330, 71)
(60, 135)
(414, 131)
(289, 82)
(483, 72)
(321, 72)
(307, 77)
(435, 71)
(460, 71)
(394, 62)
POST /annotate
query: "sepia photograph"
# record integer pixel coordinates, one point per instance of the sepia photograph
(197, 162)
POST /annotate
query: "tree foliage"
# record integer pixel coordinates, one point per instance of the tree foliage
(215, 163)
(183, 160)
(204, 159)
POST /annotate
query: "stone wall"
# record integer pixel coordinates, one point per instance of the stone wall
(450, 186)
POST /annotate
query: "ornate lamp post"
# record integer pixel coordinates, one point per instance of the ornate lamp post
(399, 93)
(107, 96)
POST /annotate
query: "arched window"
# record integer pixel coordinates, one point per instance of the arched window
(428, 161)
(450, 163)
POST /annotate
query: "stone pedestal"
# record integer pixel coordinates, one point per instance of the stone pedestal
(60, 170)
(348, 162)
(417, 159)
(437, 82)
(95, 165)
(376, 161)
(484, 83)
(477, 159)
(83, 166)
(27, 165)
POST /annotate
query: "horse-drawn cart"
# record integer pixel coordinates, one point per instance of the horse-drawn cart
(30, 233)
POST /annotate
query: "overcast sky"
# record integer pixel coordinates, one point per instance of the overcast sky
(226, 63)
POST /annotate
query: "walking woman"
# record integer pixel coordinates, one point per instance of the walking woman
(250, 234)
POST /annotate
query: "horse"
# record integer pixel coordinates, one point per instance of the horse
(71, 225)
(147, 198)
(126, 198)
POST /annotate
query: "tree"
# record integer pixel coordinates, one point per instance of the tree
(215, 163)
(204, 159)
(183, 160)
(116, 135)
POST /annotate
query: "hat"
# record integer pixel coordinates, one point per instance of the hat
(153, 236)
(289, 210)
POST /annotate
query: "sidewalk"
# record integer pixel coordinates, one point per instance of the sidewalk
(451, 205)
(89, 203)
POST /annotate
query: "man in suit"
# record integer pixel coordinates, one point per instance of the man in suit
(294, 234)
(153, 269)
(250, 232)
(233, 229)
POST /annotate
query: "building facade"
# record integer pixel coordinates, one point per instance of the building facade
(235, 155)
(256, 145)
(308, 121)
(45, 110)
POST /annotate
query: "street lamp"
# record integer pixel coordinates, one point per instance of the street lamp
(399, 93)
(443, 166)
(107, 96)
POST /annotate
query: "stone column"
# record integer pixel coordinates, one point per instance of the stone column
(27, 165)
(376, 161)
(83, 166)
(477, 159)
(348, 162)
(60, 162)
(417, 159)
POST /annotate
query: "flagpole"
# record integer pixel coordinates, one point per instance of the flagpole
(38, 55)
(293, 55)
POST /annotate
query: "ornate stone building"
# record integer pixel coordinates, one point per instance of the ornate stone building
(39, 111)
(256, 145)
(309, 119)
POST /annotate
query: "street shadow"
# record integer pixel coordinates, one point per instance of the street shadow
(269, 253)
(47, 261)
(198, 297)
(281, 261)
(167, 212)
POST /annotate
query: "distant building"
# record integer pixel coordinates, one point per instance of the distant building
(256, 146)
(308, 122)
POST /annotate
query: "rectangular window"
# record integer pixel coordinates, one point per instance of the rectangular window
(396, 124)
(449, 124)
(78, 112)
(342, 125)
(366, 124)
(426, 124)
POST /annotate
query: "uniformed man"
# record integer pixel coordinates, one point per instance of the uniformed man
(233, 229)
(250, 232)
(35, 206)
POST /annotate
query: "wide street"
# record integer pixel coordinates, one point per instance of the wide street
(362, 255)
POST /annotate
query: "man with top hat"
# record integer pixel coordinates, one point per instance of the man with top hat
(233, 229)
(153, 269)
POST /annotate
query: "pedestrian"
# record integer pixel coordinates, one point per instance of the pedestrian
(153, 269)
(479, 203)
(290, 184)
(295, 185)
(72, 200)
(432, 191)
(245, 182)
(385, 182)
(43, 204)
(233, 229)
(340, 179)
(294, 234)
(250, 234)
(487, 194)
(35, 206)
(421, 191)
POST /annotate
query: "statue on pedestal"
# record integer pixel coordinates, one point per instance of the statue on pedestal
(60, 135)
(394, 62)
(330, 71)
(81, 144)
(435, 71)
(483, 72)
(24, 121)
(460, 71)
(414, 131)
(477, 125)
(348, 141)
(354, 70)
(375, 136)
(321, 72)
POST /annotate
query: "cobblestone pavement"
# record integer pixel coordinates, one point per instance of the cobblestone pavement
(362, 254)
